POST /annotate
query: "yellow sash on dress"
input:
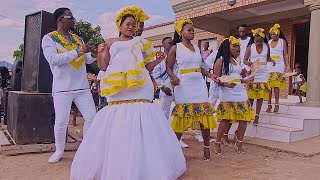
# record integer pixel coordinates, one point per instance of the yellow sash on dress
(275, 57)
(185, 71)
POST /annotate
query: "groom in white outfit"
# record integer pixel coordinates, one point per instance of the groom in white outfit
(67, 56)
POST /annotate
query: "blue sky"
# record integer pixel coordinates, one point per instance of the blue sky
(102, 12)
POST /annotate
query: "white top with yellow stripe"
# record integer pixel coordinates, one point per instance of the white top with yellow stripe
(126, 77)
(192, 88)
(262, 74)
(67, 66)
(238, 93)
(276, 54)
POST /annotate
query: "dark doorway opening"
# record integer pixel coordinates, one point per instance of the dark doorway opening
(301, 48)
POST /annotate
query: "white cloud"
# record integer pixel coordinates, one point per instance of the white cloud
(10, 23)
(154, 19)
(107, 21)
(51, 5)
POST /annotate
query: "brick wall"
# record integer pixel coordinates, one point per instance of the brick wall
(207, 35)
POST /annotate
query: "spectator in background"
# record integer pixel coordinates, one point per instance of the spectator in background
(205, 52)
(95, 93)
(102, 100)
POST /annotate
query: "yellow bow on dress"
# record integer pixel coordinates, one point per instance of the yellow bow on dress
(181, 23)
(275, 29)
(258, 32)
(135, 11)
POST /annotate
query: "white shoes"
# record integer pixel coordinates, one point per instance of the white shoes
(56, 157)
(199, 137)
(183, 145)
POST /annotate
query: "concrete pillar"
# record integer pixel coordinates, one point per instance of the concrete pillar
(313, 90)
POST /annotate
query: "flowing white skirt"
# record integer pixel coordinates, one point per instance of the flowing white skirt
(129, 142)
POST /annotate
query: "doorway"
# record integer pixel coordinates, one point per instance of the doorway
(300, 48)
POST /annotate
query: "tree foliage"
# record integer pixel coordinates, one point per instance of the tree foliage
(18, 54)
(91, 36)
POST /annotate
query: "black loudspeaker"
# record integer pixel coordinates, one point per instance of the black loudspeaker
(16, 75)
(30, 117)
(36, 73)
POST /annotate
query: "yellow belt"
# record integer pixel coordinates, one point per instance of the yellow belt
(235, 80)
(275, 57)
(263, 63)
(128, 102)
(185, 71)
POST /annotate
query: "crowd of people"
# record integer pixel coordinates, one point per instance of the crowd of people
(130, 137)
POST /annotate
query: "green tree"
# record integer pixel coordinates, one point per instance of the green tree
(18, 54)
(91, 36)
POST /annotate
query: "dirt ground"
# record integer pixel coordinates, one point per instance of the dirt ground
(257, 163)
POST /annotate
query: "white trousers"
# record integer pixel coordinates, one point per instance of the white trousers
(165, 103)
(62, 106)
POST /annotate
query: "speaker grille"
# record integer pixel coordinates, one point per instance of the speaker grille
(36, 76)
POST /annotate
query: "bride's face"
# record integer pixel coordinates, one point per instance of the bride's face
(128, 27)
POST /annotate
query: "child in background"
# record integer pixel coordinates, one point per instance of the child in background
(299, 83)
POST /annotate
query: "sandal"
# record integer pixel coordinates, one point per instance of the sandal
(215, 150)
(269, 108)
(239, 150)
(276, 108)
(225, 140)
(206, 153)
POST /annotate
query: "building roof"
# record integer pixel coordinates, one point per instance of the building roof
(159, 25)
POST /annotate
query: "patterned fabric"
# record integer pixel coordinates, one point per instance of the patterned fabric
(74, 43)
(128, 101)
(303, 87)
(193, 109)
(276, 80)
(258, 90)
(235, 111)
(192, 115)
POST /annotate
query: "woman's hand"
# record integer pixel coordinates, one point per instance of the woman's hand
(229, 84)
(160, 56)
(175, 81)
(101, 47)
(213, 77)
(249, 80)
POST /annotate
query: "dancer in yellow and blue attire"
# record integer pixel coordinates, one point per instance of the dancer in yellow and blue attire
(234, 105)
(278, 52)
(191, 95)
(258, 49)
